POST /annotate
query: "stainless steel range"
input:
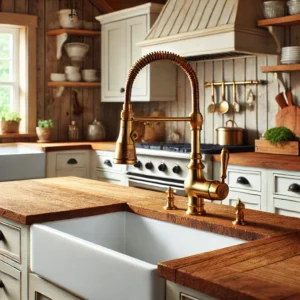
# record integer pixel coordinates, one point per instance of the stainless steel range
(160, 166)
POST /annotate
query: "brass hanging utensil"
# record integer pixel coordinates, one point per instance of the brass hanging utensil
(212, 107)
(223, 105)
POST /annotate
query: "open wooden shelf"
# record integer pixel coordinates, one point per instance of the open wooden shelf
(73, 84)
(281, 68)
(282, 21)
(78, 32)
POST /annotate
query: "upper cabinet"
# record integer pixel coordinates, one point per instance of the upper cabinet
(121, 32)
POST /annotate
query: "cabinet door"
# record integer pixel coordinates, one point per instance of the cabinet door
(136, 30)
(114, 67)
(77, 172)
(10, 282)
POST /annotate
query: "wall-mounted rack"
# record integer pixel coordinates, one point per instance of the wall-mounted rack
(249, 82)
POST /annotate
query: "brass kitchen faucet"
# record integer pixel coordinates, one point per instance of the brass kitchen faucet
(196, 185)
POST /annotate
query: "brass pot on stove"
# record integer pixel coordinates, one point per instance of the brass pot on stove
(230, 136)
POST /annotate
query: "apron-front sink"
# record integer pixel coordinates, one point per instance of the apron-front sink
(115, 256)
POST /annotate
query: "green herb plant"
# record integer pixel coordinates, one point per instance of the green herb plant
(45, 124)
(280, 135)
(10, 116)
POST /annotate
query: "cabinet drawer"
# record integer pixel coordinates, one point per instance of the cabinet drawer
(10, 245)
(77, 172)
(110, 177)
(244, 179)
(10, 278)
(287, 185)
(287, 207)
(105, 162)
(70, 160)
(251, 201)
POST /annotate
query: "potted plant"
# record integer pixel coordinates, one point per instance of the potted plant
(44, 131)
(278, 140)
(10, 122)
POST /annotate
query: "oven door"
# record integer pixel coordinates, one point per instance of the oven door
(156, 184)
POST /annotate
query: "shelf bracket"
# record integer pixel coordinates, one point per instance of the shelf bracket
(60, 40)
(278, 35)
(59, 91)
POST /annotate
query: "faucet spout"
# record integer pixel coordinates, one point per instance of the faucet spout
(197, 186)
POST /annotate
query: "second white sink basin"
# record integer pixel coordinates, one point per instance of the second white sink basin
(114, 256)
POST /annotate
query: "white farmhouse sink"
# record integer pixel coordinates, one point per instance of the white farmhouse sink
(20, 162)
(114, 256)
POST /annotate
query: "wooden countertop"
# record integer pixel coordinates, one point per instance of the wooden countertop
(265, 268)
(47, 147)
(263, 160)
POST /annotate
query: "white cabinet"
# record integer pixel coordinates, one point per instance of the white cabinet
(274, 191)
(68, 163)
(40, 289)
(103, 168)
(14, 260)
(284, 193)
(121, 31)
(178, 292)
(248, 184)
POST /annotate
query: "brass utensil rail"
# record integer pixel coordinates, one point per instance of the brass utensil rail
(249, 82)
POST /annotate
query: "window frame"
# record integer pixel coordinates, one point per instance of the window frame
(15, 80)
(27, 25)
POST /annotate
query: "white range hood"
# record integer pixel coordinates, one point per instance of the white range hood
(202, 29)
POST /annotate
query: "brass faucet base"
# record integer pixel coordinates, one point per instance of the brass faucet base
(195, 207)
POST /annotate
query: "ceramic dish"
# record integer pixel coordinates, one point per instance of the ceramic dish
(58, 77)
(76, 51)
(69, 18)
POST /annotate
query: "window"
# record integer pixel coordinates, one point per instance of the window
(9, 65)
(18, 67)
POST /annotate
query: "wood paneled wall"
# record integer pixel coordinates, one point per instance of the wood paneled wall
(61, 109)
(255, 120)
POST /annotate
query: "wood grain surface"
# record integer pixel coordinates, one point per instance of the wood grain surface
(267, 267)
(289, 117)
(263, 160)
(47, 147)
(286, 148)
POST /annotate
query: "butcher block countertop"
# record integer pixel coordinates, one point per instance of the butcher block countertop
(267, 267)
(47, 147)
(264, 160)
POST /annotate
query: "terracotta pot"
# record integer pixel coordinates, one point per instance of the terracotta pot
(10, 126)
(44, 134)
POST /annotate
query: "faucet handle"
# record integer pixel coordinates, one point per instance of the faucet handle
(224, 164)
(170, 200)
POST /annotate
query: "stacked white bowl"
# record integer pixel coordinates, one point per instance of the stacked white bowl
(290, 55)
(73, 73)
(89, 75)
(293, 7)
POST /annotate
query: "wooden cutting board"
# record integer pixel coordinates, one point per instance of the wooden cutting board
(289, 117)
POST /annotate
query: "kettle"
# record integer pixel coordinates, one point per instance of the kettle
(95, 131)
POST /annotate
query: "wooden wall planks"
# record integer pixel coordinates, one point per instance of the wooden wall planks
(60, 110)
(257, 120)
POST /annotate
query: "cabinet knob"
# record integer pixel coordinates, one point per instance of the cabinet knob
(72, 161)
(294, 188)
(1, 284)
(2, 237)
(122, 90)
(108, 163)
(242, 180)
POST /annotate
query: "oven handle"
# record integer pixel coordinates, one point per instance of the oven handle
(148, 185)
(146, 179)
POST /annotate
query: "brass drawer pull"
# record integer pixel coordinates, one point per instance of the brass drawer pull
(294, 188)
(2, 237)
(1, 284)
(108, 163)
(72, 161)
(242, 180)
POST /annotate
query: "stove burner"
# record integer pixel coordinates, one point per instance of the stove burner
(186, 148)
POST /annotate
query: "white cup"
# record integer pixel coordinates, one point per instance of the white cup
(71, 69)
